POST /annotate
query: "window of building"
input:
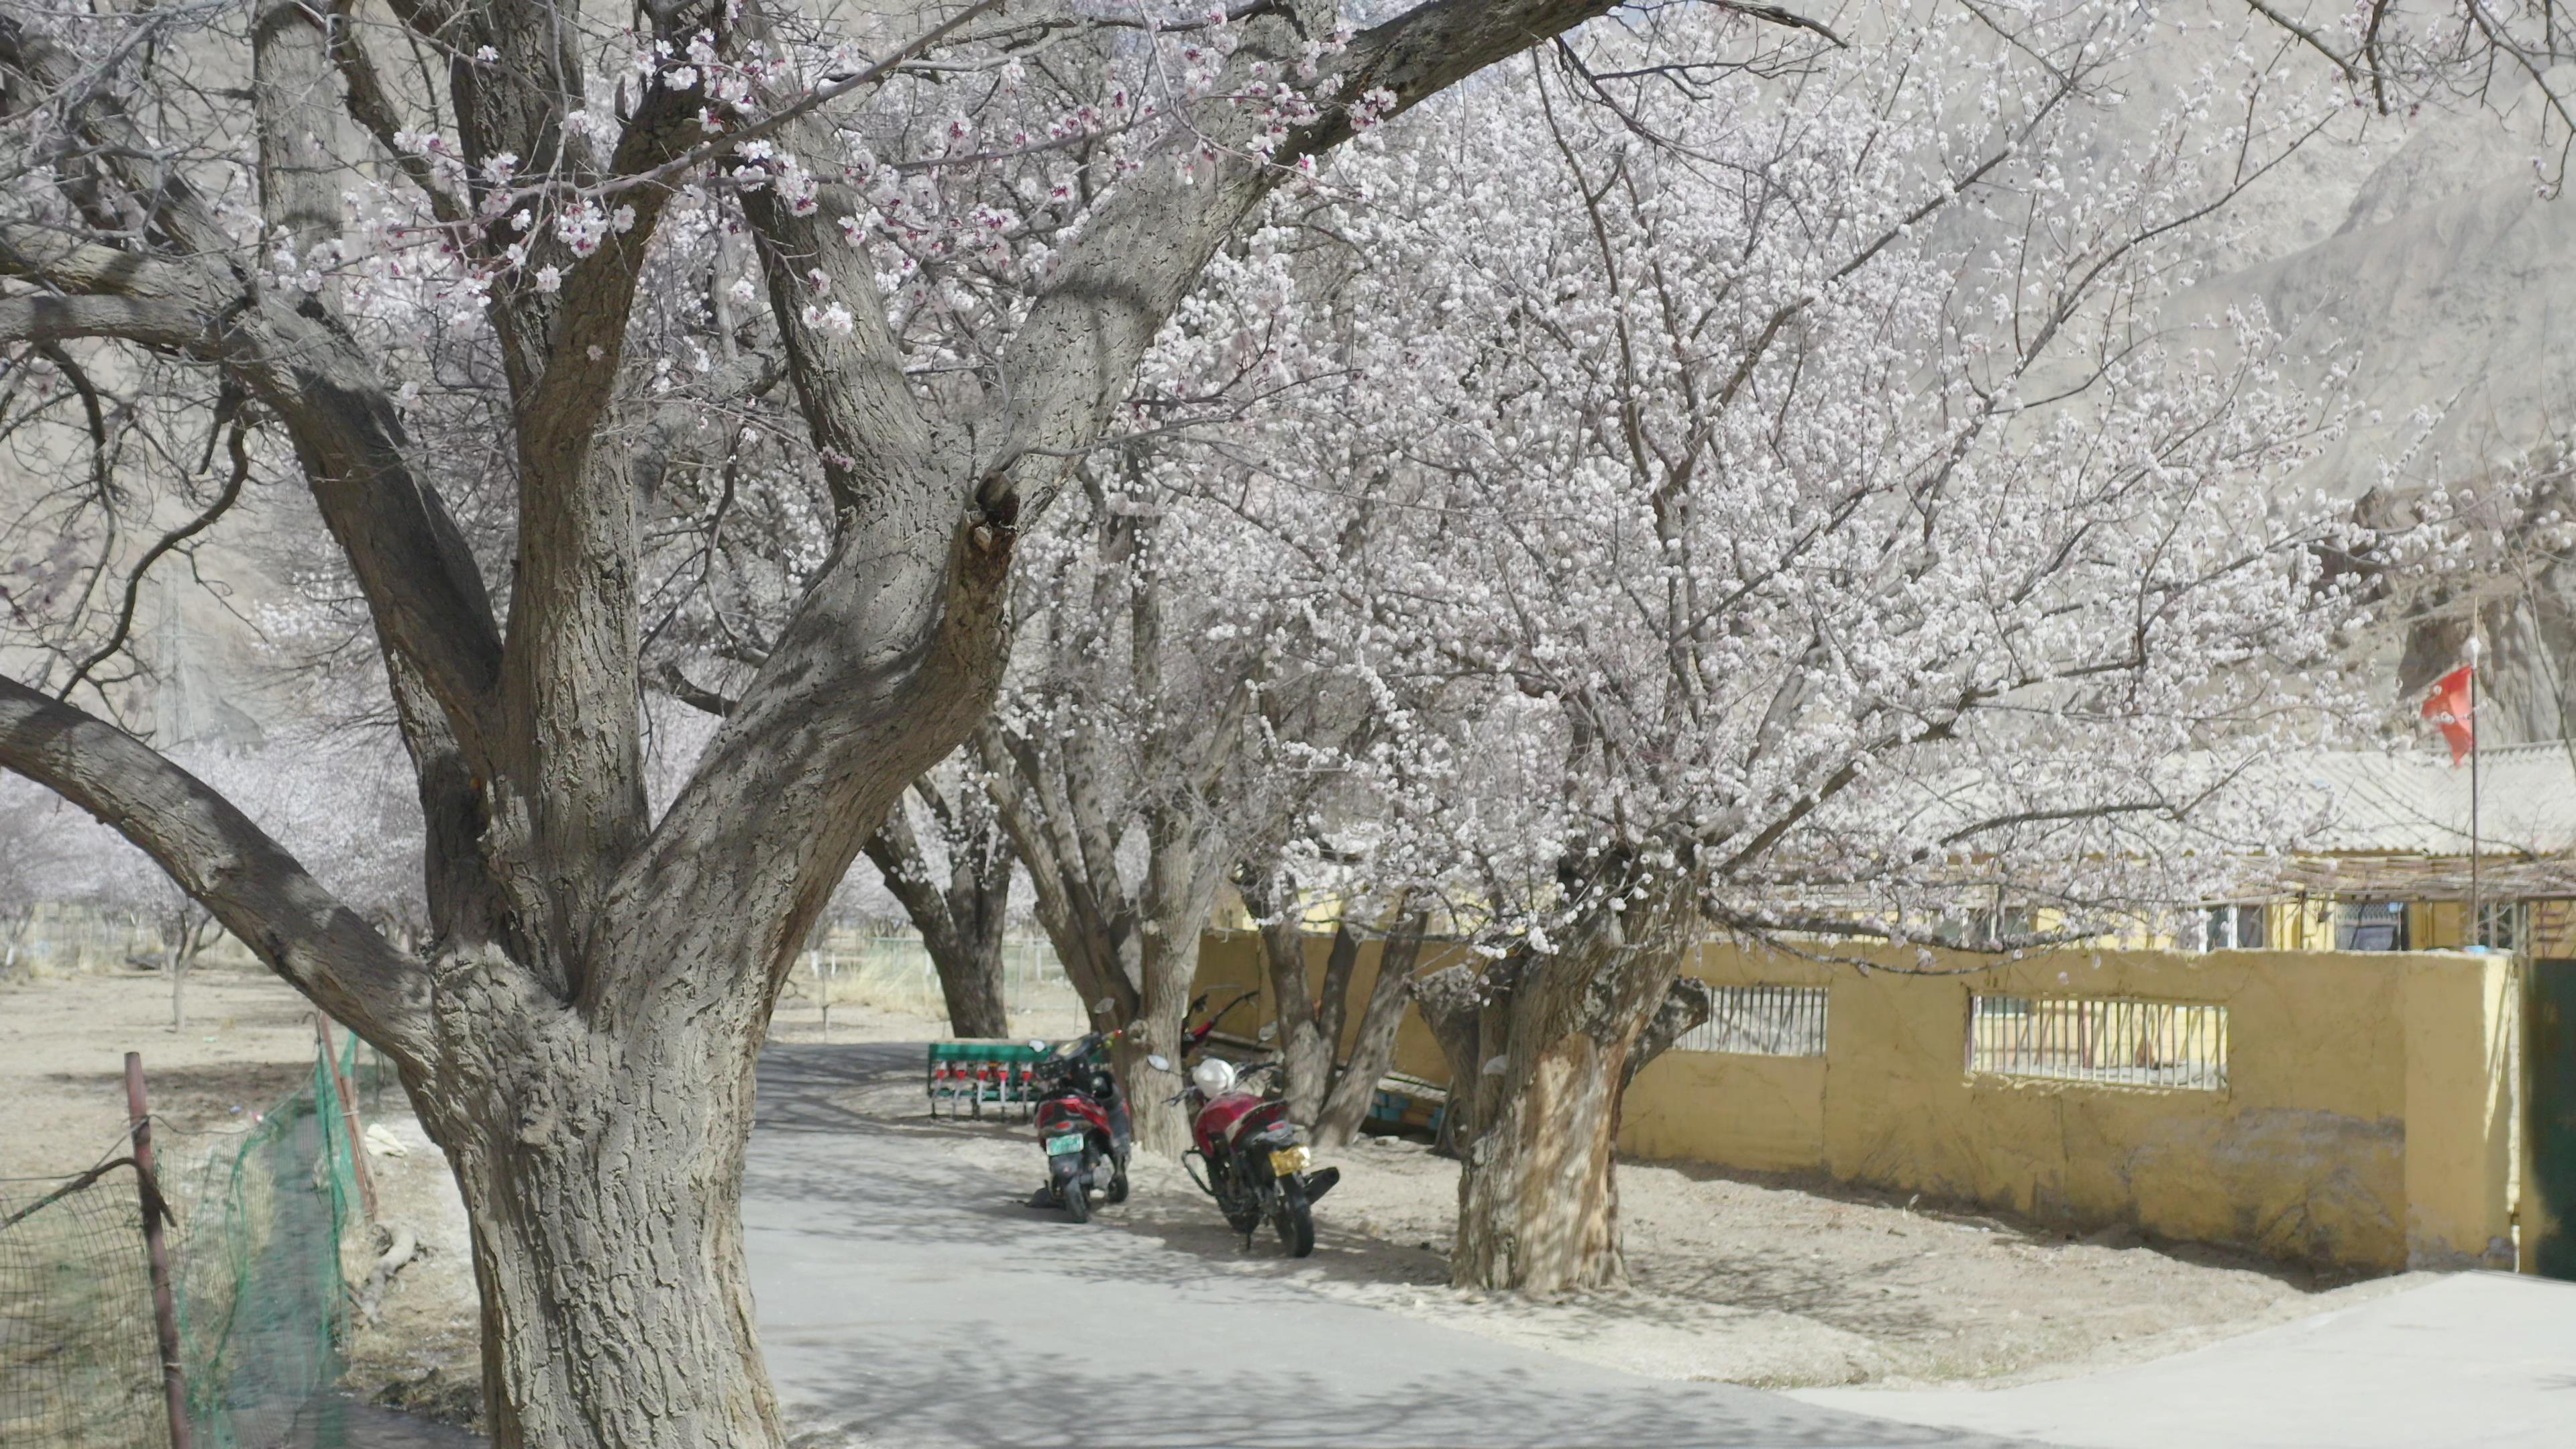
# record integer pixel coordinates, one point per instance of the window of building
(2500, 925)
(1986, 929)
(2226, 928)
(2109, 1042)
(1768, 1021)
(2370, 926)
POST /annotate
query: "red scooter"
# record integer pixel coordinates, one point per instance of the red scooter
(1258, 1165)
(1084, 1126)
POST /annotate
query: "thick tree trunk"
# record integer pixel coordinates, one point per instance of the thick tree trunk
(603, 1180)
(1171, 958)
(1538, 1202)
(972, 983)
(1305, 1048)
(962, 923)
(1538, 1206)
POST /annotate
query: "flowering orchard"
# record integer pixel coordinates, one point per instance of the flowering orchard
(536, 307)
(1769, 497)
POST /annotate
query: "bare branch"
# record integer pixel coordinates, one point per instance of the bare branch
(223, 503)
(264, 897)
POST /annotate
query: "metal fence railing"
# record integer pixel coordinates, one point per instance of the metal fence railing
(1771, 1021)
(2114, 1041)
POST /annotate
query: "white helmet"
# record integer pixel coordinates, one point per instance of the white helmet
(1214, 1077)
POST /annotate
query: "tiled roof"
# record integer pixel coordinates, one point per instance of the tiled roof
(2417, 803)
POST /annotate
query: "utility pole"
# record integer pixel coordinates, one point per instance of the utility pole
(2477, 903)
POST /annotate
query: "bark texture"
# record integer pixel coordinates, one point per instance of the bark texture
(604, 1171)
(1329, 1088)
(1541, 1077)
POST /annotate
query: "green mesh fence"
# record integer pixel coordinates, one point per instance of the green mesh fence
(77, 1364)
(268, 1238)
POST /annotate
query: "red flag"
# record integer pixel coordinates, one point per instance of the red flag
(2448, 709)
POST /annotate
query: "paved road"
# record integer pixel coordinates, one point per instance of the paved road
(918, 1301)
(2474, 1361)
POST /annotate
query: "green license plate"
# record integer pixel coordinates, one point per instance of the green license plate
(1059, 1146)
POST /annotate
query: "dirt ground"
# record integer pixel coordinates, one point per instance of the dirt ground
(1749, 1279)
(249, 1042)
(63, 1040)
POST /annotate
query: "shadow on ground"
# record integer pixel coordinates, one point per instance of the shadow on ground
(909, 1296)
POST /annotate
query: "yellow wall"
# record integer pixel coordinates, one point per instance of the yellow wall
(2367, 1119)
(2553, 929)
(1230, 961)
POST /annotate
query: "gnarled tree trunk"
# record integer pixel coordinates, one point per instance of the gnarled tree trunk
(603, 1177)
(1541, 1079)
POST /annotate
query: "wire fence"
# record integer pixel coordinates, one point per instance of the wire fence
(267, 1234)
(78, 1364)
(893, 973)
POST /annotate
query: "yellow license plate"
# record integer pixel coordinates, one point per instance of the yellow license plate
(1289, 1160)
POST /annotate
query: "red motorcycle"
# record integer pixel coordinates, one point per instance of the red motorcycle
(1257, 1163)
(1083, 1124)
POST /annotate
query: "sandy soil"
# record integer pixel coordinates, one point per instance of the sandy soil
(418, 1344)
(63, 1040)
(1749, 1279)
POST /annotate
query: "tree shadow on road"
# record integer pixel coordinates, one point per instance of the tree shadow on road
(938, 1392)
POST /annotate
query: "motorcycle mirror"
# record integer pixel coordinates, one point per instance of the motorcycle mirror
(1269, 1029)
(1158, 1061)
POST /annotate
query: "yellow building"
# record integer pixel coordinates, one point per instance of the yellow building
(2324, 1069)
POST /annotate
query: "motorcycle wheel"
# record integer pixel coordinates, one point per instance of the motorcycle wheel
(1294, 1219)
(1077, 1199)
(1117, 1190)
(1240, 1204)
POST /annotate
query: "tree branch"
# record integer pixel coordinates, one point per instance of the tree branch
(226, 863)
(223, 503)
(1687, 1004)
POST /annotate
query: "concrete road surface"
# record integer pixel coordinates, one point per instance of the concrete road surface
(919, 1302)
(2474, 1361)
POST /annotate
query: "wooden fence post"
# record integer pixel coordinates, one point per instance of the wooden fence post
(348, 1117)
(165, 1308)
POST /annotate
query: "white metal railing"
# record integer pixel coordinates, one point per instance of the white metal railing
(2112, 1042)
(1769, 1021)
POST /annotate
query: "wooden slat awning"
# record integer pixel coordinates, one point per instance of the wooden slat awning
(2429, 877)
